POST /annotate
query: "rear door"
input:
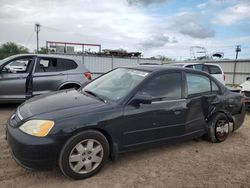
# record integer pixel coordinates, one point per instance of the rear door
(199, 100)
(49, 75)
(161, 120)
(14, 78)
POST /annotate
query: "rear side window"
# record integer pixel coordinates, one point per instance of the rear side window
(205, 68)
(55, 65)
(214, 69)
(66, 64)
(164, 87)
(198, 67)
(198, 84)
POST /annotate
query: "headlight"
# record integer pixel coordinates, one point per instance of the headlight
(38, 128)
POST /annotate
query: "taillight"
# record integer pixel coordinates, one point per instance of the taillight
(243, 100)
(88, 75)
(224, 77)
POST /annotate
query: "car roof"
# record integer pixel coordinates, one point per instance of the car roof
(47, 55)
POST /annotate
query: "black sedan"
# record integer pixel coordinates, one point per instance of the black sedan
(126, 109)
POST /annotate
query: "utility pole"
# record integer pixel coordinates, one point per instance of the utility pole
(237, 50)
(37, 30)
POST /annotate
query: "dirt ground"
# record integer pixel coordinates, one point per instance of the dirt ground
(190, 164)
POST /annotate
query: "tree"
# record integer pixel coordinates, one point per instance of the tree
(43, 50)
(163, 58)
(11, 48)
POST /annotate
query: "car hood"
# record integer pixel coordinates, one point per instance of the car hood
(58, 101)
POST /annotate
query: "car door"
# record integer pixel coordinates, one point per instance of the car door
(161, 120)
(200, 101)
(14, 80)
(48, 75)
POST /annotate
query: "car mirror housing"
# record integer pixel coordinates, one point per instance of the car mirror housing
(142, 99)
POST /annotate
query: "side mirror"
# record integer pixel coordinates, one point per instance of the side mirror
(142, 99)
(248, 78)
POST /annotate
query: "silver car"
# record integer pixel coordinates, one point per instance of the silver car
(24, 76)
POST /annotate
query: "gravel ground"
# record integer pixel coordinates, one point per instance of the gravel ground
(189, 164)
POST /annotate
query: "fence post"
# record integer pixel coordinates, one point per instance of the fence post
(234, 72)
(112, 62)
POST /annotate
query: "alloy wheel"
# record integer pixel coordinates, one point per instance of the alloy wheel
(86, 156)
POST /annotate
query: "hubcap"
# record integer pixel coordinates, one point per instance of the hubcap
(221, 129)
(86, 156)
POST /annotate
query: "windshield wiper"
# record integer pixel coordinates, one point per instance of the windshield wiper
(95, 95)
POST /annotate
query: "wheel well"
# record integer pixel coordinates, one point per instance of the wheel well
(230, 118)
(70, 85)
(113, 149)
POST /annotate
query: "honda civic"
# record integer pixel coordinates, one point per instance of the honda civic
(126, 109)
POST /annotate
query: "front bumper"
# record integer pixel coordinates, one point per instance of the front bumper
(32, 152)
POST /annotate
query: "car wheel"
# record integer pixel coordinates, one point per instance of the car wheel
(219, 128)
(84, 154)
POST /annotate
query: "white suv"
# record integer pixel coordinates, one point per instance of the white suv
(214, 69)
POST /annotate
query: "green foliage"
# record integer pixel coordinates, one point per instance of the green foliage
(42, 50)
(164, 59)
(11, 48)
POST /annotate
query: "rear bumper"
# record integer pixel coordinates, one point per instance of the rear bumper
(239, 118)
(248, 103)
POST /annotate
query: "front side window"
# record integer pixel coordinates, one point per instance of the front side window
(164, 87)
(18, 65)
(197, 84)
(117, 84)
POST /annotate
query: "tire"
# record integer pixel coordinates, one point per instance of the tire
(84, 154)
(218, 128)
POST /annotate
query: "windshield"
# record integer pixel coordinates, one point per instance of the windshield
(116, 85)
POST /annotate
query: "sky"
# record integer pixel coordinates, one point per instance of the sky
(153, 27)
